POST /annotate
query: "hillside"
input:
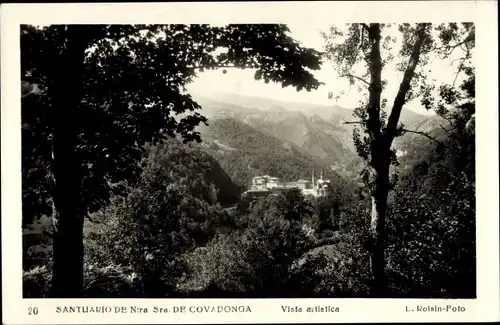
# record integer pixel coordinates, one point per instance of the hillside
(244, 152)
(415, 148)
(329, 143)
(197, 170)
(268, 104)
(216, 103)
(187, 165)
(315, 130)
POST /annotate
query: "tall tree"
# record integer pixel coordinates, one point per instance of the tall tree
(94, 94)
(364, 48)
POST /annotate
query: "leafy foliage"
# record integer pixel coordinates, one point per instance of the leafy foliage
(36, 282)
(363, 47)
(110, 281)
(432, 238)
(181, 230)
(171, 209)
(350, 51)
(271, 247)
(133, 91)
(258, 258)
(439, 243)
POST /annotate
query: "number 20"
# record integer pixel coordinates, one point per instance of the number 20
(32, 310)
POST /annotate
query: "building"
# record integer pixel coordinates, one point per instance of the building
(266, 185)
(273, 182)
(280, 189)
(322, 187)
(256, 193)
(265, 181)
(259, 182)
(303, 184)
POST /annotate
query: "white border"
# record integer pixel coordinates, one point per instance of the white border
(483, 13)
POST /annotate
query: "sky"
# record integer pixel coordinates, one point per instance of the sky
(242, 81)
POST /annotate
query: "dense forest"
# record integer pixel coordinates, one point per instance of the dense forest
(123, 196)
(173, 230)
(245, 152)
(179, 197)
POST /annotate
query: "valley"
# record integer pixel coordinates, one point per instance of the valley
(299, 132)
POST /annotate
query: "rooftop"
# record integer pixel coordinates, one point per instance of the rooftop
(264, 189)
(277, 188)
(302, 181)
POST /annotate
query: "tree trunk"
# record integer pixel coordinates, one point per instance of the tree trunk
(380, 149)
(65, 93)
(377, 230)
(381, 145)
(379, 161)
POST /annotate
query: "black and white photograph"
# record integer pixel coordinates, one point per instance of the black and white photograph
(153, 167)
(246, 160)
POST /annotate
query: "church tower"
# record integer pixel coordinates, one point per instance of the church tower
(313, 179)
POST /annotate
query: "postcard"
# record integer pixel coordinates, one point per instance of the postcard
(250, 162)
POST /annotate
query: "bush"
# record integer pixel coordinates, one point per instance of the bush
(241, 266)
(37, 255)
(110, 281)
(37, 282)
(160, 219)
(431, 230)
(270, 257)
(342, 269)
(255, 259)
(220, 266)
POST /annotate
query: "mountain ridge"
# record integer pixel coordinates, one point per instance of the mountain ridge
(260, 103)
(324, 138)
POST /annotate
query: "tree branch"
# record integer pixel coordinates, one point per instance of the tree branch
(405, 85)
(445, 129)
(348, 75)
(373, 124)
(353, 122)
(362, 37)
(450, 120)
(451, 48)
(452, 62)
(467, 55)
(423, 134)
(215, 67)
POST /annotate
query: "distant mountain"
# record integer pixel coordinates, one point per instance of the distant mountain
(294, 123)
(219, 102)
(312, 134)
(335, 114)
(314, 130)
(245, 152)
